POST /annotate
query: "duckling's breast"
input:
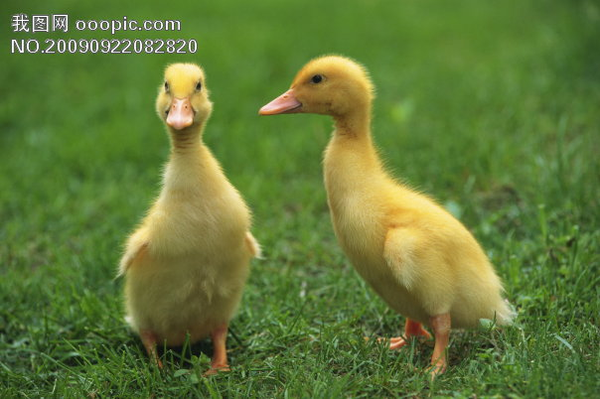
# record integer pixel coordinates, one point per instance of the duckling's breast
(196, 267)
(174, 296)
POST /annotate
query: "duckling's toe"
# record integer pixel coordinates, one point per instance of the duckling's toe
(397, 343)
(216, 369)
(438, 368)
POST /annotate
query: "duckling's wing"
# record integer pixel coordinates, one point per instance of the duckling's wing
(399, 254)
(133, 254)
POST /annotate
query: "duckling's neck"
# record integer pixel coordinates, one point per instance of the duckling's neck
(354, 125)
(186, 141)
(352, 143)
(351, 163)
(191, 165)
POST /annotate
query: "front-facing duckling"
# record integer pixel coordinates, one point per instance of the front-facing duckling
(187, 263)
(421, 260)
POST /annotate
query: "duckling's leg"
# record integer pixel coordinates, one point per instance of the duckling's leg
(411, 329)
(149, 339)
(441, 330)
(219, 359)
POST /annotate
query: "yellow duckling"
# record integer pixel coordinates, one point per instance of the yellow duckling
(186, 265)
(421, 260)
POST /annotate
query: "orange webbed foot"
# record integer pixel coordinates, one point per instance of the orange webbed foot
(216, 369)
(411, 329)
(396, 342)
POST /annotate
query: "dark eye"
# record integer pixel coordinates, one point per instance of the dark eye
(316, 79)
(199, 86)
(167, 86)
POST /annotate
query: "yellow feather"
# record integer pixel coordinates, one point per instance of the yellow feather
(416, 256)
(187, 263)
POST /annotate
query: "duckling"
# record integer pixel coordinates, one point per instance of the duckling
(186, 265)
(421, 260)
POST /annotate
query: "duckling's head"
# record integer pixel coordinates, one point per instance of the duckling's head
(331, 85)
(182, 101)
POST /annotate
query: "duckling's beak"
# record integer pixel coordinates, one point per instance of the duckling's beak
(181, 113)
(287, 103)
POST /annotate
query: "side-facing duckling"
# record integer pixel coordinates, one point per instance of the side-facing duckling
(186, 265)
(421, 260)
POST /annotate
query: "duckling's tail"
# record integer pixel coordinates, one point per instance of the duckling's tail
(505, 313)
(253, 246)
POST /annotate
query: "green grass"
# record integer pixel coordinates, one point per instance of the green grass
(491, 107)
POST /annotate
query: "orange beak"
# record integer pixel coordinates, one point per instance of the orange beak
(181, 114)
(284, 104)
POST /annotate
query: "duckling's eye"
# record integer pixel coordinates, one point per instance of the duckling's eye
(316, 79)
(199, 86)
(166, 86)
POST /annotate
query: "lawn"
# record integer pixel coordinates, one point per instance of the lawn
(493, 108)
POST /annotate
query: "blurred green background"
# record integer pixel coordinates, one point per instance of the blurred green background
(491, 107)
